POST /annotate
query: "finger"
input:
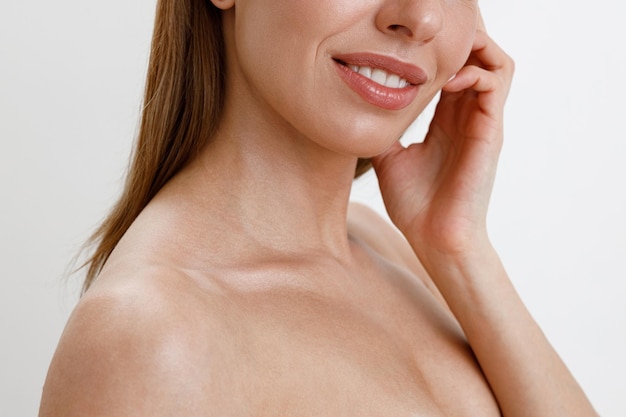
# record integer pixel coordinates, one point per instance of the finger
(489, 54)
(491, 90)
(473, 77)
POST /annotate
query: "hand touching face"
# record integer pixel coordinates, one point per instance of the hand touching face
(437, 192)
(348, 75)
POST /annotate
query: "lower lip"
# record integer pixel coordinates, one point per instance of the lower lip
(377, 94)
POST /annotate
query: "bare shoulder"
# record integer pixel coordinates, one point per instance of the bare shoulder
(137, 348)
(381, 236)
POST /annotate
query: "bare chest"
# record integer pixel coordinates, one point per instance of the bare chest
(299, 355)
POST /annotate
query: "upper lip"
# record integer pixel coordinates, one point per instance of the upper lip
(410, 72)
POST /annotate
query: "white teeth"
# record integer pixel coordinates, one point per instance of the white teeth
(393, 81)
(379, 76)
(366, 72)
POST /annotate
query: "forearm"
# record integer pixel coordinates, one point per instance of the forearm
(525, 373)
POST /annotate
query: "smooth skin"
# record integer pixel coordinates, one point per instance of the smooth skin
(251, 287)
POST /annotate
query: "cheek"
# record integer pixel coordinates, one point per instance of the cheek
(253, 40)
(451, 58)
(274, 44)
(456, 43)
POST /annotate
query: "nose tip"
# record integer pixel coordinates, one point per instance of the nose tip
(415, 20)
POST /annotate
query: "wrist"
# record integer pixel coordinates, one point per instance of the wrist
(462, 251)
(462, 268)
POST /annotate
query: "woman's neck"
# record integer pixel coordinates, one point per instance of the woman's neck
(272, 187)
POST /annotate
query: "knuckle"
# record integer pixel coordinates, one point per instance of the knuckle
(509, 63)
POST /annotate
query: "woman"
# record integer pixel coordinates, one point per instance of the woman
(234, 278)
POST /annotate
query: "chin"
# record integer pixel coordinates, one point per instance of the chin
(364, 144)
(369, 139)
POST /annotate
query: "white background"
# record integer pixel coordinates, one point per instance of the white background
(71, 78)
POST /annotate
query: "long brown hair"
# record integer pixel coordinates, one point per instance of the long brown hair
(182, 108)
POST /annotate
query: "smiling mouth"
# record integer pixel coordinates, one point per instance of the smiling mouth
(384, 81)
(379, 76)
